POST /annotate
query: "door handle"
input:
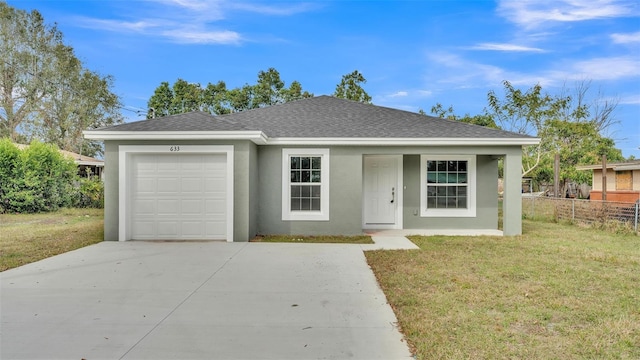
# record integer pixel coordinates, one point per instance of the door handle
(393, 195)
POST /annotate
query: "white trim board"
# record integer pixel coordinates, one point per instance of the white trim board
(259, 138)
(124, 157)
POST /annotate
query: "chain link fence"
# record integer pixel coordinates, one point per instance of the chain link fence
(606, 214)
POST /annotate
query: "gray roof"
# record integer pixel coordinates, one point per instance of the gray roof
(321, 117)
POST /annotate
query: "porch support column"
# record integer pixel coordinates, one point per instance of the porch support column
(512, 193)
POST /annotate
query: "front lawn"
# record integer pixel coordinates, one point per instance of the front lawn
(25, 238)
(557, 292)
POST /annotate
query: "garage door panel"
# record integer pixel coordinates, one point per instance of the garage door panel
(167, 230)
(143, 229)
(215, 184)
(167, 162)
(145, 163)
(168, 185)
(168, 207)
(179, 196)
(191, 207)
(192, 162)
(145, 185)
(193, 229)
(215, 207)
(144, 207)
(215, 230)
(191, 184)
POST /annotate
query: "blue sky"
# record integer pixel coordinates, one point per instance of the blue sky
(413, 54)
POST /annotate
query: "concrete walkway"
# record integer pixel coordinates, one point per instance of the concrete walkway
(209, 300)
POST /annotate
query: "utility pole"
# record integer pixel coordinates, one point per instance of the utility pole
(604, 177)
(556, 175)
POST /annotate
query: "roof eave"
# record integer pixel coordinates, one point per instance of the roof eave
(405, 141)
(257, 137)
(260, 138)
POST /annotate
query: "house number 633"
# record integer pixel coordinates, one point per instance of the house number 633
(174, 148)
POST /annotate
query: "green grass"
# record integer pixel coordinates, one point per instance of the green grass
(556, 292)
(357, 239)
(25, 238)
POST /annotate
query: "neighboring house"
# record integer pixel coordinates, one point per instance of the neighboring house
(87, 166)
(321, 165)
(623, 181)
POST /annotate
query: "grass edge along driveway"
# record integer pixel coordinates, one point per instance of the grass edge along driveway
(26, 238)
(556, 292)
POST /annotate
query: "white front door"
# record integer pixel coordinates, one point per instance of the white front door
(381, 198)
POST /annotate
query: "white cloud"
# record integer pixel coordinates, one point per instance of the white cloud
(399, 94)
(187, 21)
(452, 69)
(271, 10)
(533, 13)
(204, 36)
(505, 47)
(630, 100)
(116, 25)
(626, 38)
(611, 68)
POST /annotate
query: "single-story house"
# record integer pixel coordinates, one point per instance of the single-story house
(623, 181)
(314, 166)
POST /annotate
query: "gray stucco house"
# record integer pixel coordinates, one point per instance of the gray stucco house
(314, 166)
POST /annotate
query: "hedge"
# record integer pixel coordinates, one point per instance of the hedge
(40, 179)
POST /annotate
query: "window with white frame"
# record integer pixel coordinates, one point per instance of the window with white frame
(305, 184)
(448, 186)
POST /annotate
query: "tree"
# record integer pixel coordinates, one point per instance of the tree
(45, 91)
(160, 103)
(526, 113)
(82, 100)
(28, 48)
(216, 99)
(599, 110)
(268, 89)
(566, 125)
(485, 120)
(350, 88)
(295, 92)
(577, 143)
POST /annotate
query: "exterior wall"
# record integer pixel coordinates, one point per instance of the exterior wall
(346, 178)
(627, 196)
(345, 201)
(244, 192)
(486, 199)
(258, 189)
(613, 194)
(254, 195)
(611, 180)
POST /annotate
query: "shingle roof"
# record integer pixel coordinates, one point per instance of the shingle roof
(191, 121)
(321, 117)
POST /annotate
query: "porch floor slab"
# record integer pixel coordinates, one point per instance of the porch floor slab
(433, 232)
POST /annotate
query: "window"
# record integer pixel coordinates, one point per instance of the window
(624, 180)
(305, 191)
(447, 186)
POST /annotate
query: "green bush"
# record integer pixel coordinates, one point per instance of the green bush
(89, 193)
(36, 179)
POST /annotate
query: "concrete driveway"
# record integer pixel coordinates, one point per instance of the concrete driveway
(198, 300)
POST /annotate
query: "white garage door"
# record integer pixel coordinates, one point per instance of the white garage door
(178, 196)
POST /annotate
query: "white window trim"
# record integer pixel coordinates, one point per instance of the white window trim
(323, 214)
(470, 211)
(124, 163)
